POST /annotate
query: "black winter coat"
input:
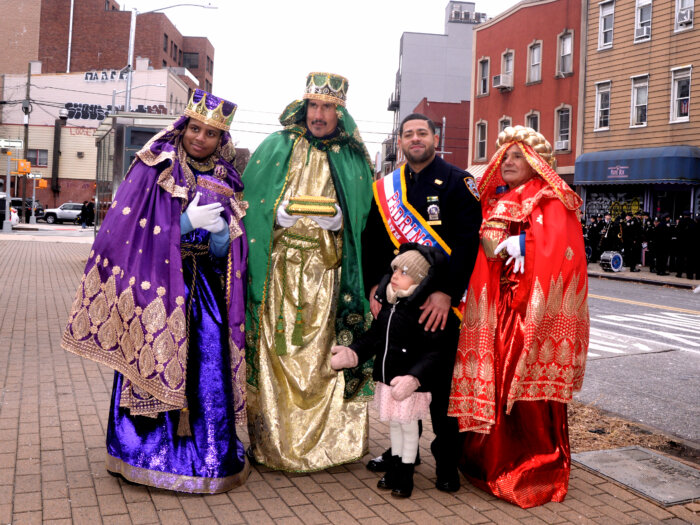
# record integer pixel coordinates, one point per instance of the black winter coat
(399, 343)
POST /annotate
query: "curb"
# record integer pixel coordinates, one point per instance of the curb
(617, 277)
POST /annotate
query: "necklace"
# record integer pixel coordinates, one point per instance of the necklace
(203, 166)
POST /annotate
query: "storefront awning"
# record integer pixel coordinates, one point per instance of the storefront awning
(664, 165)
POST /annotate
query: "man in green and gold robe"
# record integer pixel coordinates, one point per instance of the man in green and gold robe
(309, 189)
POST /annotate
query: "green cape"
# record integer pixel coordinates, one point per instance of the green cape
(265, 180)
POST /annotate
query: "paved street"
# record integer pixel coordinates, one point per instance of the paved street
(53, 408)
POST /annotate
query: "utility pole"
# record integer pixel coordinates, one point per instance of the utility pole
(26, 107)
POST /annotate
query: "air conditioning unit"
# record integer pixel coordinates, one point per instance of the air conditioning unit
(561, 145)
(642, 32)
(502, 81)
(685, 16)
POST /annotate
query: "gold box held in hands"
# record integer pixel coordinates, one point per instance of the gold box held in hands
(311, 205)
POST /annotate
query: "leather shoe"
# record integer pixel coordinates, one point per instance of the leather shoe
(447, 485)
(381, 463)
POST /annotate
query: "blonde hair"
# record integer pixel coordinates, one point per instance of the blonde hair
(530, 137)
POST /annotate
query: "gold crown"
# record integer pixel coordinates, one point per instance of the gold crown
(327, 87)
(211, 110)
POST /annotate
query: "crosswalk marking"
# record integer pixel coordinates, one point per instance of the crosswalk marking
(643, 333)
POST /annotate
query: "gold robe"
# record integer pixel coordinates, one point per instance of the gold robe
(297, 418)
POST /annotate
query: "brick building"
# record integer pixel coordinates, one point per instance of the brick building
(528, 72)
(98, 39)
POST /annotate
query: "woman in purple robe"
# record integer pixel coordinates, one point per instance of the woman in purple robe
(162, 302)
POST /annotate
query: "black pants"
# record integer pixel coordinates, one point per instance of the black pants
(447, 445)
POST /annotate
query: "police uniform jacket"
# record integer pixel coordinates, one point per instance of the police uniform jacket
(456, 220)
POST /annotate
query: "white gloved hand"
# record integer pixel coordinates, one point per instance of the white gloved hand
(512, 247)
(207, 216)
(283, 218)
(329, 223)
(217, 227)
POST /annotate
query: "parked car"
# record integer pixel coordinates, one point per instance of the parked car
(16, 203)
(66, 212)
(14, 217)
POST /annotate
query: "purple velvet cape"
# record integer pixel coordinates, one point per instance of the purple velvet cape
(130, 311)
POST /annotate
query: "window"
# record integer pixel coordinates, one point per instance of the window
(562, 132)
(640, 91)
(504, 122)
(534, 70)
(680, 101)
(532, 120)
(602, 106)
(483, 76)
(175, 53)
(211, 67)
(642, 23)
(165, 43)
(507, 63)
(179, 58)
(38, 157)
(605, 25)
(190, 60)
(480, 141)
(566, 54)
(684, 15)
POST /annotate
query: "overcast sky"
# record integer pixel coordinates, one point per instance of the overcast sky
(265, 48)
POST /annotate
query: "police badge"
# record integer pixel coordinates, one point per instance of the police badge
(434, 210)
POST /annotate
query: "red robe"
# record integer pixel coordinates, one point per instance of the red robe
(523, 343)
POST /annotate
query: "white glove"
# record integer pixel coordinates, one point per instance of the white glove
(283, 218)
(343, 357)
(217, 227)
(329, 223)
(403, 386)
(207, 216)
(512, 247)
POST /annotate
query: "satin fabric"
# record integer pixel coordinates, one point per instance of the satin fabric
(148, 450)
(525, 459)
(298, 419)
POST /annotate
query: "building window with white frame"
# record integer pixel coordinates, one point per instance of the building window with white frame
(684, 14)
(642, 22)
(566, 54)
(562, 121)
(680, 95)
(602, 106)
(484, 76)
(504, 122)
(532, 120)
(534, 69)
(507, 64)
(640, 93)
(480, 153)
(605, 25)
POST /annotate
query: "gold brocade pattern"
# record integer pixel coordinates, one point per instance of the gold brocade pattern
(108, 328)
(297, 419)
(553, 361)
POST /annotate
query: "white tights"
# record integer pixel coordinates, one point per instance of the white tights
(404, 440)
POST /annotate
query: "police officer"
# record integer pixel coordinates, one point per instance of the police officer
(661, 238)
(686, 237)
(631, 240)
(446, 199)
(593, 238)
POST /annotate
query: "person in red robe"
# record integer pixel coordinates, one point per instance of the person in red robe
(524, 336)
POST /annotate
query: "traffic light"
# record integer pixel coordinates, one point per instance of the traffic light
(24, 166)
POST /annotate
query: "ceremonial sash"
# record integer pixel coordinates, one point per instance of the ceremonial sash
(403, 223)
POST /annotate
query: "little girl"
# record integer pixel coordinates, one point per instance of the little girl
(404, 357)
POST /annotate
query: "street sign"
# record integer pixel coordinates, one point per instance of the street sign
(12, 143)
(33, 175)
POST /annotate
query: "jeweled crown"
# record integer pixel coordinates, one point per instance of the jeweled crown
(327, 87)
(211, 110)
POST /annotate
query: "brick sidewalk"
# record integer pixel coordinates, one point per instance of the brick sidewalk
(53, 408)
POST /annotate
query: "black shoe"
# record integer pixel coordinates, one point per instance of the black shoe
(251, 457)
(403, 484)
(447, 484)
(661, 273)
(388, 480)
(634, 270)
(380, 463)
